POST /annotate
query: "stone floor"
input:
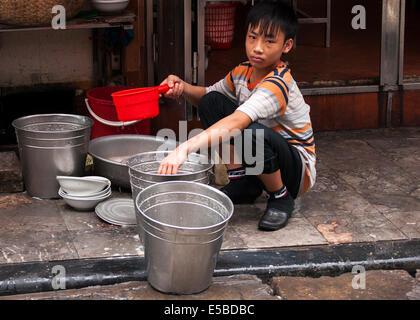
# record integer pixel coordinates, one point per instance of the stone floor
(367, 190)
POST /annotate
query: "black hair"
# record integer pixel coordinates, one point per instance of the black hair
(271, 16)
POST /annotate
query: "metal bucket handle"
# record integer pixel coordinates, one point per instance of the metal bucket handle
(108, 122)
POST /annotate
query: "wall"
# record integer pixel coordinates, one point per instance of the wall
(45, 57)
(343, 112)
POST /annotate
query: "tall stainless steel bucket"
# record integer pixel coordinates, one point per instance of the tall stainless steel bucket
(183, 223)
(51, 145)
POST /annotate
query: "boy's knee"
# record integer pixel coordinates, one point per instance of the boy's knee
(207, 101)
(254, 126)
(256, 131)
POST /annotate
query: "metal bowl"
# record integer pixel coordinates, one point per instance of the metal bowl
(110, 154)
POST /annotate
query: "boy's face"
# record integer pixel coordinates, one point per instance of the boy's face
(264, 51)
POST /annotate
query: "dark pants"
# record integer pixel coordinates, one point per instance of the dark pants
(278, 153)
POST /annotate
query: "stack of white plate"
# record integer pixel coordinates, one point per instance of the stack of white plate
(110, 6)
(84, 193)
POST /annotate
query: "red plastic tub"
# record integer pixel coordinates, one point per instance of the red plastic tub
(139, 103)
(102, 110)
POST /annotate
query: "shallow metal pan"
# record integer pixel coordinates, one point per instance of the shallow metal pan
(110, 154)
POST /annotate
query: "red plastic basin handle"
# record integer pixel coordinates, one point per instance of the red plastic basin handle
(136, 91)
(163, 88)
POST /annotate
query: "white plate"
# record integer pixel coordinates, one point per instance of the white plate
(107, 192)
(95, 195)
(117, 211)
(83, 186)
(83, 203)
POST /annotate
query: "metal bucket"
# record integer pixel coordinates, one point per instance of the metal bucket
(51, 145)
(142, 170)
(183, 223)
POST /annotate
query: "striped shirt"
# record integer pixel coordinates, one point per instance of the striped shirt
(276, 102)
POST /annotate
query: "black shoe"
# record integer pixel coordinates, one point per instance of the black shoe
(277, 213)
(244, 190)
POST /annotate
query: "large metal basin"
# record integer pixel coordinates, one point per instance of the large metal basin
(110, 154)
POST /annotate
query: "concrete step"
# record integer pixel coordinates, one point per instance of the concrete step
(371, 285)
(237, 287)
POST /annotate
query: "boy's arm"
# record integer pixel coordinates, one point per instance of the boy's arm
(193, 93)
(221, 131)
(270, 99)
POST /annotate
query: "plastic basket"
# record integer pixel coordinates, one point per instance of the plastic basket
(220, 24)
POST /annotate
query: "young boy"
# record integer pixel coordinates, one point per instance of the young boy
(259, 95)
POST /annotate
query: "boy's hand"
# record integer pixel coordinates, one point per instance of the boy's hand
(173, 161)
(176, 86)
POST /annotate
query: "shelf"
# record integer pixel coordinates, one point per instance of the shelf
(124, 20)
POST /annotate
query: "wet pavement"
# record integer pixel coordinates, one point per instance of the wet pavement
(367, 191)
(374, 285)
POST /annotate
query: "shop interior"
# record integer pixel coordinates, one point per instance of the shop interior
(353, 56)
